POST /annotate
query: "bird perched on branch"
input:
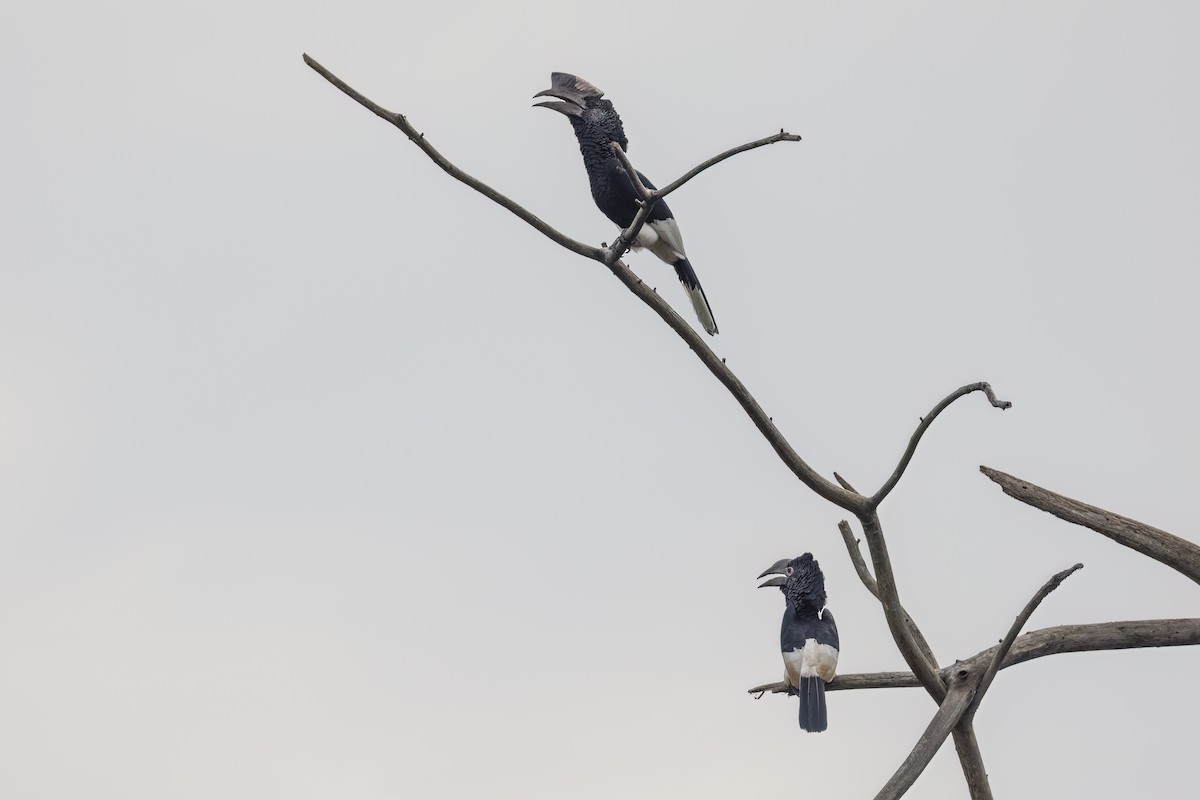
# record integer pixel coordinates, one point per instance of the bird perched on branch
(597, 126)
(808, 637)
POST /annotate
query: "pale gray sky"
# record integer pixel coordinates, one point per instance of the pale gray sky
(321, 476)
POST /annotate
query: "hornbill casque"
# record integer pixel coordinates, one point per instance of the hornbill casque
(597, 126)
(809, 636)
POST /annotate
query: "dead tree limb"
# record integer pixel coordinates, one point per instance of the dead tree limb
(926, 421)
(958, 698)
(1178, 554)
(864, 575)
(899, 623)
(1124, 635)
(993, 665)
(966, 687)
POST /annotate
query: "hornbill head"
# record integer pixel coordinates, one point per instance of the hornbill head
(781, 569)
(572, 93)
(800, 579)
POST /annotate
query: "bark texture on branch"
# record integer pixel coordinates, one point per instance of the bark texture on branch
(967, 684)
(1124, 635)
(1178, 554)
(959, 694)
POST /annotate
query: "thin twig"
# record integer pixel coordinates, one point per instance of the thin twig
(856, 558)
(647, 200)
(1178, 554)
(399, 120)
(626, 238)
(644, 194)
(782, 136)
(926, 421)
(1006, 643)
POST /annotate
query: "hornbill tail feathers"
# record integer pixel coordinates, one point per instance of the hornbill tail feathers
(813, 716)
(687, 276)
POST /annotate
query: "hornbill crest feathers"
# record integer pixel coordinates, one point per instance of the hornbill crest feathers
(572, 93)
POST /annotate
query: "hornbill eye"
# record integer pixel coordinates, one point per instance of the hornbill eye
(788, 571)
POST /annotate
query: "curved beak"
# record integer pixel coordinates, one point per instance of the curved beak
(776, 569)
(572, 93)
(570, 109)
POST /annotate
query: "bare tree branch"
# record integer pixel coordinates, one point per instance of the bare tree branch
(960, 693)
(645, 196)
(899, 623)
(1006, 643)
(856, 557)
(970, 757)
(864, 574)
(1123, 635)
(808, 476)
(782, 136)
(845, 484)
(587, 251)
(967, 686)
(1178, 554)
(926, 421)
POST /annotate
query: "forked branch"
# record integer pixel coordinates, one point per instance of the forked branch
(864, 575)
(926, 421)
(958, 699)
(967, 686)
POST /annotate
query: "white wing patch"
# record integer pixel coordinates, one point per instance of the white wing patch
(812, 659)
(668, 243)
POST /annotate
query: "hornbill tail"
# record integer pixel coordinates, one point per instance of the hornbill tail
(813, 715)
(687, 276)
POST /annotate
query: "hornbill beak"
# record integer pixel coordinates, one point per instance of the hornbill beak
(776, 569)
(570, 108)
(572, 93)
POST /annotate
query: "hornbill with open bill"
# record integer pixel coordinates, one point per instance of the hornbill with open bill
(809, 636)
(597, 126)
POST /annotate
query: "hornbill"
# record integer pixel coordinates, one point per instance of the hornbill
(809, 636)
(597, 126)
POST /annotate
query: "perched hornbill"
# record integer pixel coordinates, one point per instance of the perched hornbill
(597, 126)
(808, 638)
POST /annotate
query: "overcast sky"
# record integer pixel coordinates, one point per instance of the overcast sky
(322, 476)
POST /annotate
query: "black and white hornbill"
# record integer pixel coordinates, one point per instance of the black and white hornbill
(809, 636)
(597, 126)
